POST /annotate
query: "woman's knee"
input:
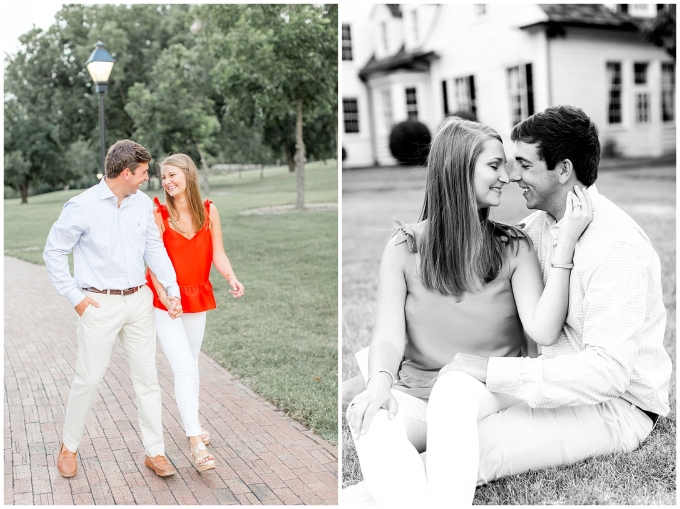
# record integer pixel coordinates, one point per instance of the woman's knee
(455, 384)
(382, 430)
(453, 389)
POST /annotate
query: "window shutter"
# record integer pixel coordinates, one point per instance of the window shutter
(473, 101)
(530, 90)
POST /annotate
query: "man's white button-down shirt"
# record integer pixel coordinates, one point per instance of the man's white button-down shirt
(110, 244)
(611, 345)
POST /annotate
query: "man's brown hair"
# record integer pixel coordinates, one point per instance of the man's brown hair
(125, 154)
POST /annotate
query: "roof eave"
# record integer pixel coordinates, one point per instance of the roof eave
(540, 25)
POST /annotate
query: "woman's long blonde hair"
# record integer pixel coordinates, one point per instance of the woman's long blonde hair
(198, 215)
(461, 246)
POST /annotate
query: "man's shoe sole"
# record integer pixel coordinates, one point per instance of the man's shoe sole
(68, 475)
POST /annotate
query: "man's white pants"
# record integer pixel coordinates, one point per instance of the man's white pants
(131, 319)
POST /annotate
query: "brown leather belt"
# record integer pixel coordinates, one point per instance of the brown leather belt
(127, 291)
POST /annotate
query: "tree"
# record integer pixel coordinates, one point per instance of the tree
(226, 93)
(274, 61)
(51, 103)
(172, 112)
(32, 152)
(661, 30)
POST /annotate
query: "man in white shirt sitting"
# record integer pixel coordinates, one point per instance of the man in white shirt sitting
(602, 386)
(111, 230)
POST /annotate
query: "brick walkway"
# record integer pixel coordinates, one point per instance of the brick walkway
(262, 456)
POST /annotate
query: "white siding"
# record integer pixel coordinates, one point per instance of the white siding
(485, 47)
(569, 69)
(357, 145)
(395, 32)
(424, 18)
(579, 78)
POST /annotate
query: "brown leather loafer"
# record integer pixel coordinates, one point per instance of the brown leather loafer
(160, 465)
(66, 462)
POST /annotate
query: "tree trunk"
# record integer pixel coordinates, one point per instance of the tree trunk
(23, 189)
(289, 158)
(299, 158)
(335, 128)
(205, 184)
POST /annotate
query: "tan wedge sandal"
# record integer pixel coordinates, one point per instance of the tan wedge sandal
(203, 465)
(205, 436)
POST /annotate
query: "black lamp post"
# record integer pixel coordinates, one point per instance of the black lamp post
(99, 65)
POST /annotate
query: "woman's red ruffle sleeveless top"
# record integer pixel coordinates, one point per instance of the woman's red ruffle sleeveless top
(191, 259)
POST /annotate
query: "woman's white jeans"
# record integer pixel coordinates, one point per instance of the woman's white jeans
(181, 340)
(389, 452)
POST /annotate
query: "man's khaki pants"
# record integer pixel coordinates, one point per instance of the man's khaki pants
(131, 319)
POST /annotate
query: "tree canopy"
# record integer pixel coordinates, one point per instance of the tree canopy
(222, 83)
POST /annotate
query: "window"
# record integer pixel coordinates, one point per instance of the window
(641, 95)
(445, 98)
(614, 83)
(350, 112)
(465, 94)
(667, 92)
(383, 32)
(642, 108)
(346, 43)
(387, 108)
(640, 73)
(642, 10)
(411, 104)
(521, 90)
(480, 9)
(415, 26)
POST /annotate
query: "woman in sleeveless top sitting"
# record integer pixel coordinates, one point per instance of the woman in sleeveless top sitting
(192, 234)
(454, 282)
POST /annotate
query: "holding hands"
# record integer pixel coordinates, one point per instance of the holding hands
(172, 304)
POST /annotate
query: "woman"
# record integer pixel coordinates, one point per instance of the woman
(454, 282)
(192, 234)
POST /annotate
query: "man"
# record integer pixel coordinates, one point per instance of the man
(601, 387)
(111, 230)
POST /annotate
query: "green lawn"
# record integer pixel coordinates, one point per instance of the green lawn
(371, 198)
(281, 337)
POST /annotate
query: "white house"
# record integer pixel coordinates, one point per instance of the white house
(503, 63)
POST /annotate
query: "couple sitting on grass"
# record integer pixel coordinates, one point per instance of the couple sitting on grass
(112, 230)
(462, 305)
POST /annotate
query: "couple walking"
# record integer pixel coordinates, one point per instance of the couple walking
(112, 231)
(463, 301)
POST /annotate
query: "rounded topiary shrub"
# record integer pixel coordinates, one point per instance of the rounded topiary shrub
(410, 142)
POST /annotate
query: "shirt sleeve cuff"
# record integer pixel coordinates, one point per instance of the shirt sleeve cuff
(173, 290)
(503, 374)
(75, 297)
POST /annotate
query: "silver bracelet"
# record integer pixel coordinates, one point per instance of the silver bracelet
(565, 266)
(380, 371)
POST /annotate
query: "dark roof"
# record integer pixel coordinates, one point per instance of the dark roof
(416, 61)
(586, 15)
(394, 9)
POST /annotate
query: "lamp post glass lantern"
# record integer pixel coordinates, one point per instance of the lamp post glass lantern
(99, 65)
